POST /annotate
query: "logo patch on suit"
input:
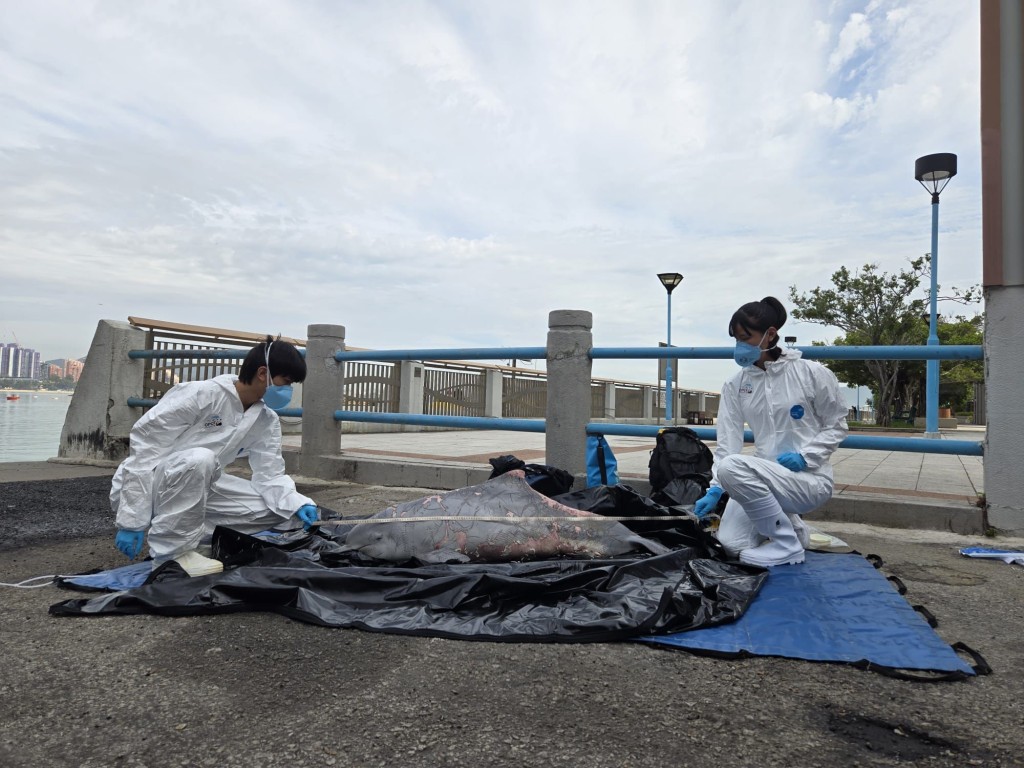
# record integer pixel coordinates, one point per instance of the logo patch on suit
(797, 411)
(746, 389)
(214, 421)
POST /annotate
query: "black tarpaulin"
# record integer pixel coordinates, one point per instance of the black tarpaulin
(313, 578)
(548, 601)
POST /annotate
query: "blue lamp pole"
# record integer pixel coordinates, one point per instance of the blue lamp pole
(670, 280)
(934, 173)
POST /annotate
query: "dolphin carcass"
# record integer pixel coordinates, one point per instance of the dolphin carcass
(500, 520)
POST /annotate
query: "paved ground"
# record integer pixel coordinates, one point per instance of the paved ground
(261, 690)
(883, 473)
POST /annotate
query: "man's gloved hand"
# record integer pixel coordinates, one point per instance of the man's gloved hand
(129, 542)
(706, 504)
(793, 461)
(308, 515)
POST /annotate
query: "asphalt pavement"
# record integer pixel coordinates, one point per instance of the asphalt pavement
(256, 689)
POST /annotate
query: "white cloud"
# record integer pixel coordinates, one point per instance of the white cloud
(445, 174)
(854, 37)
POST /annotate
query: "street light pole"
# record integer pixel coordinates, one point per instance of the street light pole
(670, 280)
(934, 173)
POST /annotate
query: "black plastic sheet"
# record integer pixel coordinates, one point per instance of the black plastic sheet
(315, 577)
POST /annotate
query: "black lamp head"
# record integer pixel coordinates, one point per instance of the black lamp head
(670, 280)
(935, 171)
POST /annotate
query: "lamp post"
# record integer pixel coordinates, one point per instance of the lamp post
(670, 280)
(934, 173)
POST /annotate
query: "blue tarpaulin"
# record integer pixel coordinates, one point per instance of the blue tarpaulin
(831, 608)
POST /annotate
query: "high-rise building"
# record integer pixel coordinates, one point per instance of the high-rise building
(18, 362)
(7, 360)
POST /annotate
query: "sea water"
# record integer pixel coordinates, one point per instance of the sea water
(30, 426)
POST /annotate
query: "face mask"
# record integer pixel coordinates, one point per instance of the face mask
(277, 396)
(746, 354)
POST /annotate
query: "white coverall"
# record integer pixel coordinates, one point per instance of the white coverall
(173, 481)
(793, 405)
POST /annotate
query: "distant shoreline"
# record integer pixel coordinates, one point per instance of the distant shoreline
(39, 391)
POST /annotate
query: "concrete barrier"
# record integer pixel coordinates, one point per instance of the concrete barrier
(99, 420)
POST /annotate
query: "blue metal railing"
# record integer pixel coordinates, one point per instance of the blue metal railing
(865, 442)
(906, 352)
(483, 353)
(192, 354)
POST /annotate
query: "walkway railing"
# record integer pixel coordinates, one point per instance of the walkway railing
(579, 385)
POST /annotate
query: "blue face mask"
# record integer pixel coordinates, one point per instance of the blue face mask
(277, 396)
(746, 354)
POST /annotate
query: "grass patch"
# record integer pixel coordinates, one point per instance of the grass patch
(900, 425)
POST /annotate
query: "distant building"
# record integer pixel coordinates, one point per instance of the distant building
(18, 362)
(53, 371)
(73, 369)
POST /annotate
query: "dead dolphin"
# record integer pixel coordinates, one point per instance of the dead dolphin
(528, 531)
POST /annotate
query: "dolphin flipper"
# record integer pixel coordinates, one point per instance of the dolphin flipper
(441, 556)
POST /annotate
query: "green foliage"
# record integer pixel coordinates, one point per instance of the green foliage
(878, 309)
(38, 384)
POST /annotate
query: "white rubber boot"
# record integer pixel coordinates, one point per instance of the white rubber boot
(803, 533)
(195, 564)
(783, 547)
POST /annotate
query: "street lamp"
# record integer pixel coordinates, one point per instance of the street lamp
(934, 173)
(670, 280)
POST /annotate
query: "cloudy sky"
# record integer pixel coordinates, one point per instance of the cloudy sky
(444, 174)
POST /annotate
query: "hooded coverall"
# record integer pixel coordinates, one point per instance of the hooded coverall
(793, 405)
(173, 481)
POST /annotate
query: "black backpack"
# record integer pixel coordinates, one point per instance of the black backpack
(551, 481)
(679, 455)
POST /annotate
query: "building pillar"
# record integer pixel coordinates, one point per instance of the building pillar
(569, 372)
(322, 394)
(1002, 193)
(410, 387)
(609, 399)
(493, 379)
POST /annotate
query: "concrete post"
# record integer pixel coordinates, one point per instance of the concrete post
(99, 421)
(492, 393)
(609, 399)
(322, 394)
(1002, 160)
(410, 387)
(569, 372)
(648, 395)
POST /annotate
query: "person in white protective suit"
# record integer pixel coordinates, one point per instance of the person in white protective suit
(797, 413)
(173, 483)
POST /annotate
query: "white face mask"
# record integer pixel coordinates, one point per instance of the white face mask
(277, 396)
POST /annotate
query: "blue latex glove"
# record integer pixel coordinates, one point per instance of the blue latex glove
(706, 504)
(308, 515)
(129, 542)
(793, 461)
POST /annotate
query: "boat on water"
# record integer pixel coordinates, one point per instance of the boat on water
(14, 397)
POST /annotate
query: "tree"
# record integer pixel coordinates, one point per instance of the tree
(878, 309)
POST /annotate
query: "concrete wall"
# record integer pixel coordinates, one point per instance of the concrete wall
(98, 421)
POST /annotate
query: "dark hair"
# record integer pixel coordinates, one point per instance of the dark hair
(285, 360)
(760, 316)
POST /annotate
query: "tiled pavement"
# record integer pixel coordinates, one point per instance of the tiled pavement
(890, 473)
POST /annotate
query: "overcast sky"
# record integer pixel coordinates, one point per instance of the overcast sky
(445, 174)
